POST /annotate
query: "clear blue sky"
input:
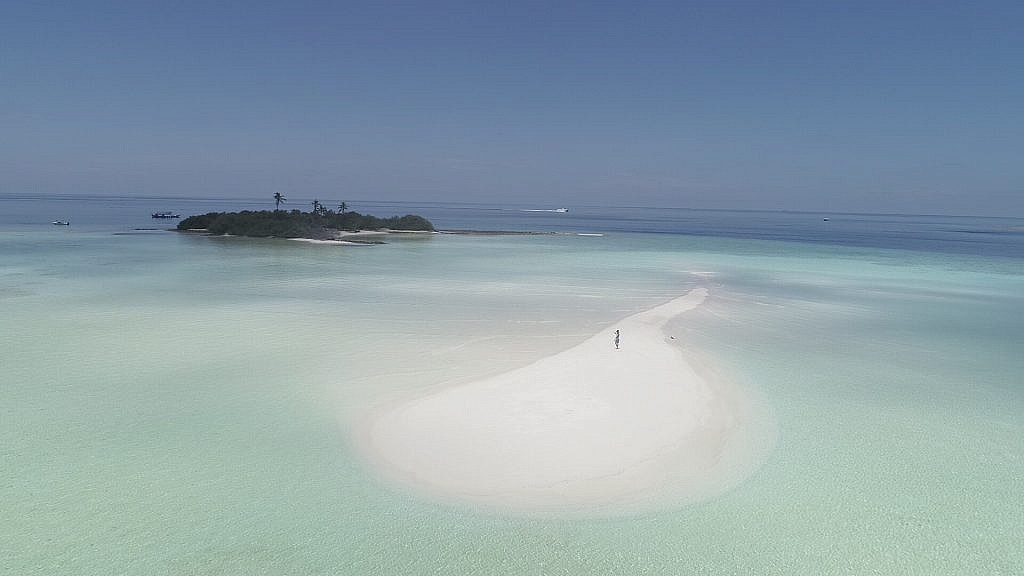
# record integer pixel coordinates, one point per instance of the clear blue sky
(839, 106)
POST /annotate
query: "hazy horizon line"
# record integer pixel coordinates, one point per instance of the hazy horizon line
(77, 196)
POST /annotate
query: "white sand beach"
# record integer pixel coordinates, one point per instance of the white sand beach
(328, 242)
(590, 429)
(361, 237)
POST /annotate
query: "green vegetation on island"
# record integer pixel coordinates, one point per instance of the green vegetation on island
(321, 223)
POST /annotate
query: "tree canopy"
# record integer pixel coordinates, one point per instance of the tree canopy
(296, 224)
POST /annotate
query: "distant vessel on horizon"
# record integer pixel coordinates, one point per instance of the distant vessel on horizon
(166, 215)
(559, 210)
(61, 223)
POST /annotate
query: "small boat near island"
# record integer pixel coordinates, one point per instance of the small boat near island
(61, 223)
(558, 210)
(166, 215)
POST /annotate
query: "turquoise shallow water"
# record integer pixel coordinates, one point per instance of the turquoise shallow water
(180, 405)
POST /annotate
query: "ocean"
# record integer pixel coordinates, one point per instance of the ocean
(180, 404)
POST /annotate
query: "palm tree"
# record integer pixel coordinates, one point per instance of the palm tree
(278, 198)
(316, 206)
(342, 207)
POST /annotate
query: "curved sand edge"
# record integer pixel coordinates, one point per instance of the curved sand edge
(589, 430)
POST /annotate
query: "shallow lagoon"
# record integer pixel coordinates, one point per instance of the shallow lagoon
(178, 404)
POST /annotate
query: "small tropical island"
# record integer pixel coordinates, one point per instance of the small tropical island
(321, 223)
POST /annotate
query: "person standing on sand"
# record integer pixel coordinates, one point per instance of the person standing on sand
(616, 339)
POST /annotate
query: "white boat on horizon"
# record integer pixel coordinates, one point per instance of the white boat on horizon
(558, 210)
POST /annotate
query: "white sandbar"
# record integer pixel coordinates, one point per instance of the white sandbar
(590, 429)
